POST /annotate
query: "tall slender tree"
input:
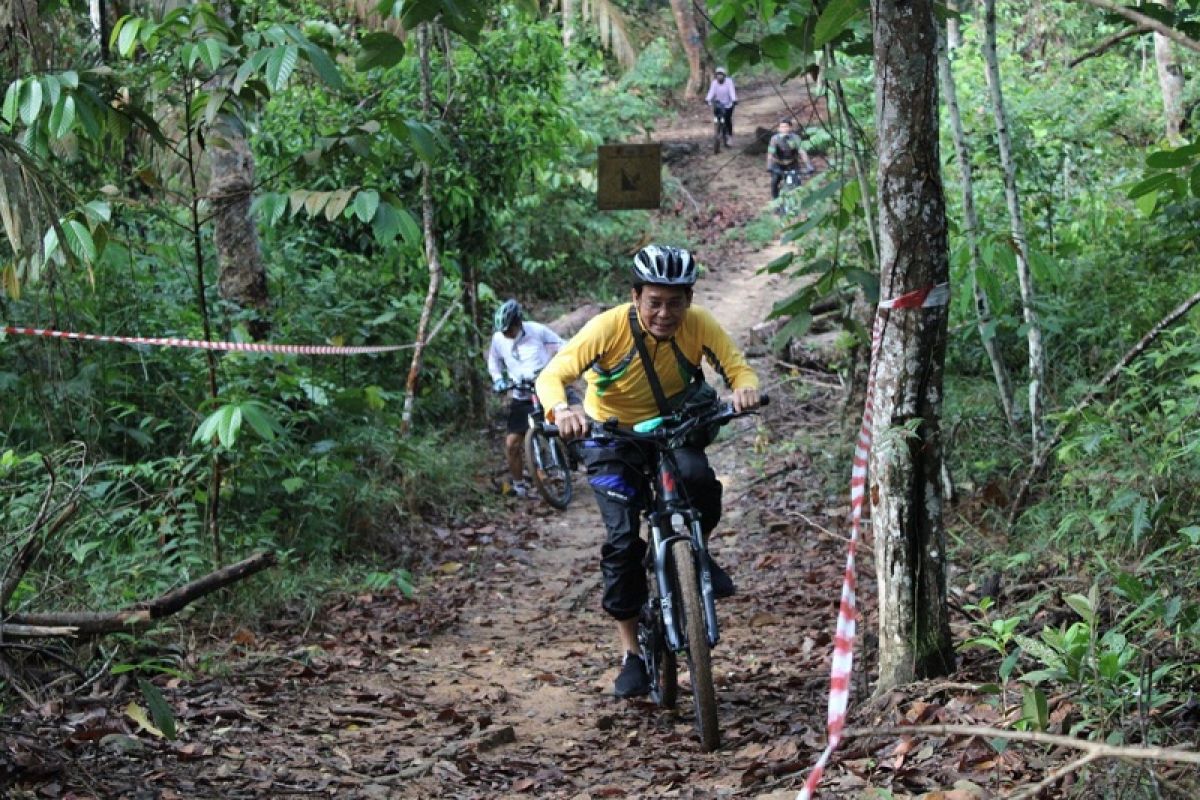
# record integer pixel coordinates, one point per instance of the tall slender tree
(983, 309)
(1033, 326)
(432, 251)
(1170, 82)
(905, 464)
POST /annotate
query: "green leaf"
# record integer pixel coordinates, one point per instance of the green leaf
(1168, 159)
(1034, 708)
(293, 485)
(833, 20)
(250, 66)
(210, 53)
(1146, 203)
(31, 100)
(160, 710)
(70, 79)
(422, 140)
(11, 98)
(1194, 181)
(1082, 607)
(324, 66)
(366, 203)
(261, 421)
(780, 263)
(127, 35)
(379, 49)
(230, 425)
(98, 210)
(409, 229)
(280, 64)
(796, 326)
(62, 118)
(1149, 185)
(79, 240)
(208, 428)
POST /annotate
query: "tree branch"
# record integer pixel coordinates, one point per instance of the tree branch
(1150, 23)
(1107, 43)
(1096, 749)
(93, 623)
(1043, 456)
(25, 557)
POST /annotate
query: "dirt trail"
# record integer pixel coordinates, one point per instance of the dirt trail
(495, 682)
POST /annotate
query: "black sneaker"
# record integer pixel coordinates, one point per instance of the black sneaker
(721, 582)
(633, 680)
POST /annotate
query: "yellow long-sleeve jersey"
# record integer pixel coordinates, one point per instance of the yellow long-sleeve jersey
(616, 379)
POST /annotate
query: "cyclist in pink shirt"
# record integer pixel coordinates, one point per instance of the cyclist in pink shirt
(722, 96)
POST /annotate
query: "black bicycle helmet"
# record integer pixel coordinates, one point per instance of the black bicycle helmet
(508, 313)
(664, 266)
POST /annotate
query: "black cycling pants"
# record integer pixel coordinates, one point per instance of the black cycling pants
(615, 473)
(726, 115)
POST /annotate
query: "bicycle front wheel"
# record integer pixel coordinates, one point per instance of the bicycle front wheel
(699, 657)
(719, 137)
(548, 465)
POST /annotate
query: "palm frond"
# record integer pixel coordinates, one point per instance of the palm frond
(613, 29)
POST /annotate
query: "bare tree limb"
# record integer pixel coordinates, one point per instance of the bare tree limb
(1096, 749)
(1106, 44)
(93, 623)
(1150, 23)
(25, 557)
(1043, 456)
(1055, 776)
(34, 631)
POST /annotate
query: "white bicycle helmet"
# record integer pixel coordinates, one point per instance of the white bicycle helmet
(720, 71)
(508, 313)
(664, 266)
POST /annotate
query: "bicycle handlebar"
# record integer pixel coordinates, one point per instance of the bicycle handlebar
(665, 430)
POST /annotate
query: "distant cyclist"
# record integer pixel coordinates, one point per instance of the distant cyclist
(784, 154)
(662, 327)
(722, 96)
(520, 349)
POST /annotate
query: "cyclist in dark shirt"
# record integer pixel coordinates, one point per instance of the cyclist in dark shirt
(784, 153)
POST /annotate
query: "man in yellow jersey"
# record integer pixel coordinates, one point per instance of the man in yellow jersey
(676, 335)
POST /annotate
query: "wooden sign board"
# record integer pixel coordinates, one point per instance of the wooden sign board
(629, 176)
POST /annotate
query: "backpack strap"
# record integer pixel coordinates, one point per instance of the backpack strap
(639, 341)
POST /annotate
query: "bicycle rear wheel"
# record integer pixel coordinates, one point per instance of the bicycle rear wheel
(699, 657)
(548, 465)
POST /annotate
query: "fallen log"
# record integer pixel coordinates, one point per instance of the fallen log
(35, 631)
(96, 623)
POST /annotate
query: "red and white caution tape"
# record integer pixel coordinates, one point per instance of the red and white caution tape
(200, 344)
(843, 640)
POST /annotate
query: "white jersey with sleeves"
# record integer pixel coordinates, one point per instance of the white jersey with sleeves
(523, 357)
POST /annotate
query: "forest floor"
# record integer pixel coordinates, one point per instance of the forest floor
(495, 679)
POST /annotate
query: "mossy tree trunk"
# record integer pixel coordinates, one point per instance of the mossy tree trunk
(905, 466)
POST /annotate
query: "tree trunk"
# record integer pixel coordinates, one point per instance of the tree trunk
(243, 278)
(1170, 81)
(1037, 364)
(431, 248)
(568, 23)
(905, 469)
(689, 37)
(983, 310)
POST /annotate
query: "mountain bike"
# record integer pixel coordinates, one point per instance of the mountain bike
(719, 114)
(680, 616)
(550, 465)
(787, 203)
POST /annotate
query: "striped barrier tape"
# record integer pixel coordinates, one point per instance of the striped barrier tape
(843, 641)
(201, 344)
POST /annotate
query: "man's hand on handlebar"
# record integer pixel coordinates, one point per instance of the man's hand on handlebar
(571, 421)
(745, 399)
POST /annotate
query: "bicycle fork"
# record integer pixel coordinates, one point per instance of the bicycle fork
(684, 526)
